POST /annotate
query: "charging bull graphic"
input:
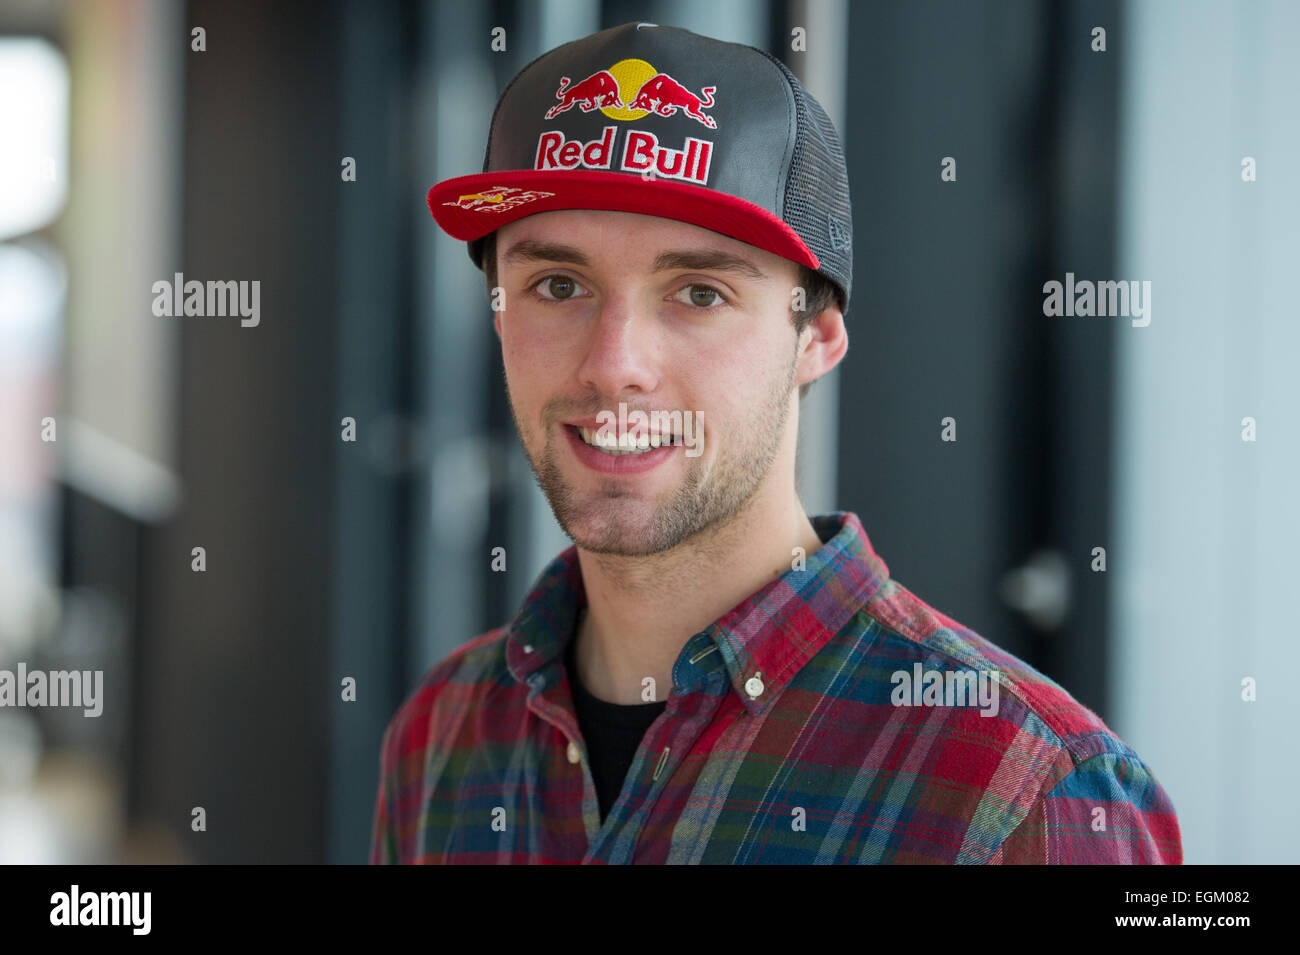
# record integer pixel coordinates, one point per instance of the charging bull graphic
(610, 91)
(664, 95)
(597, 91)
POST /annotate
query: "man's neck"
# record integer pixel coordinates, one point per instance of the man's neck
(642, 610)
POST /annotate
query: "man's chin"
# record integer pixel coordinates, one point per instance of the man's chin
(621, 527)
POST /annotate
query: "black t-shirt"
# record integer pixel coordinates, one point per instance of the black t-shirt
(612, 732)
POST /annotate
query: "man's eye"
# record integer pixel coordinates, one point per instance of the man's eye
(701, 296)
(559, 287)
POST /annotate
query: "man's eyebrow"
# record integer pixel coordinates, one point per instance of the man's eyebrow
(535, 250)
(693, 260)
(707, 260)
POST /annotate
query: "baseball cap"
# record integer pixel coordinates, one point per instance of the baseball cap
(661, 121)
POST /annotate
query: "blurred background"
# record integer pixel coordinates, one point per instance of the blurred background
(127, 440)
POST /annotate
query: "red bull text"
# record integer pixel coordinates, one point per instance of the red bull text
(641, 153)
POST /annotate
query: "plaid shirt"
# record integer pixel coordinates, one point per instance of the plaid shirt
(789, 737)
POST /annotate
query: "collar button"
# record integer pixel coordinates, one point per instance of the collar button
(754, 686)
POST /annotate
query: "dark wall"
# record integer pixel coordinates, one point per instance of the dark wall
(947, 317)
(236, 688)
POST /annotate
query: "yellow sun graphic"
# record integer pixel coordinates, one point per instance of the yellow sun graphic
(630, 74)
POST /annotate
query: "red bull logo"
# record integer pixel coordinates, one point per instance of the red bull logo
(627, 91)
(641, 153)
(498, 198)
(631, 89)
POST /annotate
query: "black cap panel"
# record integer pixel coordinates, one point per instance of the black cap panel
(752, 109)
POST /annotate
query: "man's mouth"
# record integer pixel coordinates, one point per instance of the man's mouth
(625, 443)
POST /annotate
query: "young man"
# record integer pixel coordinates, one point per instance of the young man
(709, 674)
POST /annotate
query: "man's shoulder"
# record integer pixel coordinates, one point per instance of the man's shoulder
(912, 632)
(1051, 764)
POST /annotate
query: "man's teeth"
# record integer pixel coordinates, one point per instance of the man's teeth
(626, 443)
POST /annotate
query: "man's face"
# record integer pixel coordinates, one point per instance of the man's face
(603, 308)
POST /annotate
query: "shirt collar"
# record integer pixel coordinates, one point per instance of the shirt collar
(764, 641)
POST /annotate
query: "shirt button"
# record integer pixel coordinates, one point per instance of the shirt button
(528, 648)
(754, 686)
(575, 755)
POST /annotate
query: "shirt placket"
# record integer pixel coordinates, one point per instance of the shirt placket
(549, 705)
(689, 712)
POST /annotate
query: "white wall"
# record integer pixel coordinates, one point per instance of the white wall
(1203, 552)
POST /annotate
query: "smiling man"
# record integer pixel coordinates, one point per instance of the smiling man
(615, 308)
(710, 674)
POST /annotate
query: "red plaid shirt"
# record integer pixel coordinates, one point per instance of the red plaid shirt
(831, 717)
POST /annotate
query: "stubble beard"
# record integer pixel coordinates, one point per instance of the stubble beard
(610, 520)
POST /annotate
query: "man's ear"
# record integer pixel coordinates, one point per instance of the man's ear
(822, 345)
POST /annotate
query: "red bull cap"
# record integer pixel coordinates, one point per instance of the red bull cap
(661, 121)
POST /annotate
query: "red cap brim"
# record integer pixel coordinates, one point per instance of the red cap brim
(469, 207)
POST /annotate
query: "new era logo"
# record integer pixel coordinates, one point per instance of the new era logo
(841, 238)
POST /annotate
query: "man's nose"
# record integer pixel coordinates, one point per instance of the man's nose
(620, 351)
